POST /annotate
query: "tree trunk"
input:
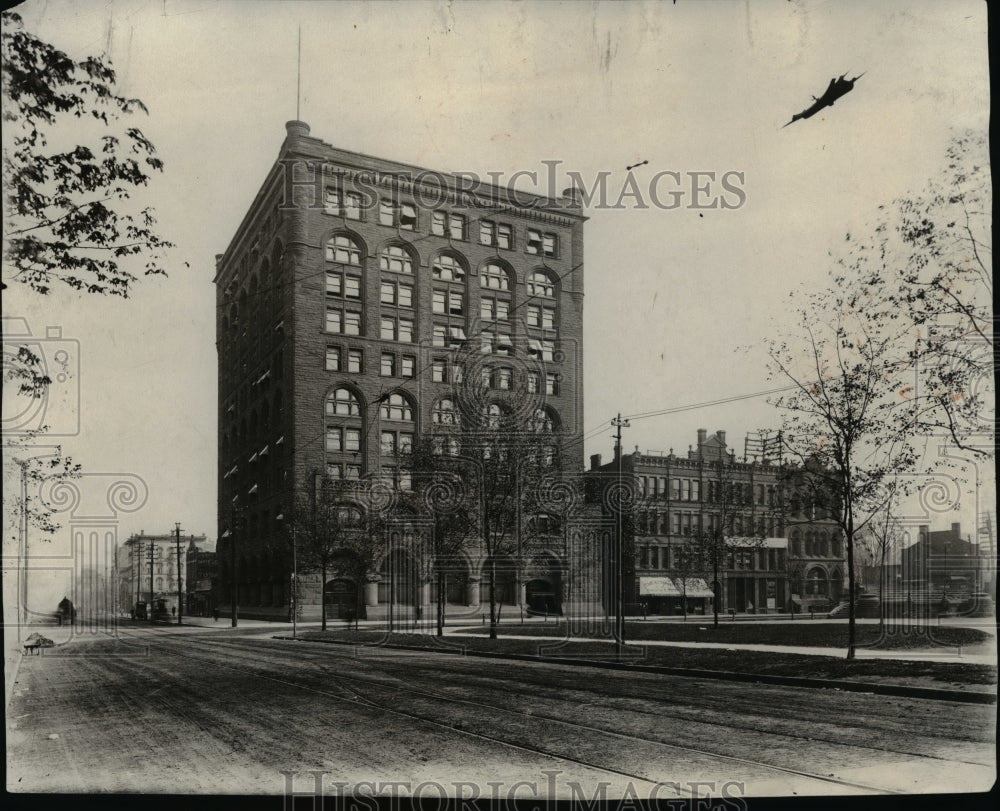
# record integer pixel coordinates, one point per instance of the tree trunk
(493, 598)
(850, 585)
(440, 602)
(716, 584)
(322, 596)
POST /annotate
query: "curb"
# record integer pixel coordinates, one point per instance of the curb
(929, 693)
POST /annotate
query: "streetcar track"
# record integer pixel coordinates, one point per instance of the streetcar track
(727, 725)
(366, 702)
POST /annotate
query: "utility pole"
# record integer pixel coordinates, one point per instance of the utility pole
(149, 608)
(232, 564)
(619, 423)
(177, 536)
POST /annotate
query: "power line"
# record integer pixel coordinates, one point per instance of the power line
(708, 403)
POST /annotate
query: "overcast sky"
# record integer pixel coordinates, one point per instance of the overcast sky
(501, 87)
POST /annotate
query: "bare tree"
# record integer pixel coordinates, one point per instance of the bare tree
(439, 492)
(848, 422)
(728, 528)
(927, 265)
(335, 533)
(881, 538)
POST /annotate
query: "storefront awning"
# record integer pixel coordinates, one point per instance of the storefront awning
(694, 587)
(658, 587)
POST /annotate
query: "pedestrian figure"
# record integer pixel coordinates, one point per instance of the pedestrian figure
(215, 614)
(173, 611)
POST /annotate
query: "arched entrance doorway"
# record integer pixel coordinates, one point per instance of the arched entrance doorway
(399, 589)
(543, 589)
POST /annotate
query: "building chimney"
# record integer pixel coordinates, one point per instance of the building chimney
(956, 530)
(722, 437)
(297, 129)
(702, 436)
(595, 461)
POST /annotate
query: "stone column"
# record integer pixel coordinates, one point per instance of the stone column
(371, 591)
(472, 592)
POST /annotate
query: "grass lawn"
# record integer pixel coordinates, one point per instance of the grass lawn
(806, 633)
(955, 675)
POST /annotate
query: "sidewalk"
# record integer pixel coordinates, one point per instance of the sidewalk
(983, 654)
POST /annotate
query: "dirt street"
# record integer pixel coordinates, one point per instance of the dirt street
(201, 710)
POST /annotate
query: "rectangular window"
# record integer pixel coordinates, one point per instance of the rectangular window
(352, 287)
(334, 321)
(534, 314)
(333, 358)
(408, 217)
(352, 440)
(548, 318)
(505, 345)
(532, 382)
(675, 489)
(439, 369)
(405, 295)
(388, 443)
(455, 306)
(439, 221)
(438, 301)
(505, 379)
(331, 205)
(439, 335)
(456, 226)
(352, 323)
(334, 283)
(486, 232)
(551, 384)
(334, 470)
(405, 330)
(686, 489)
(334, 440)
(352, 206)
(505, 236)
(457, 373)
(485, 344)
(388, 294)
(354, 365)
(388, 365)
(352, 472)
(534, 245)
(675, 523)
(388, 331)
(549, 244)
(696, 490)
(408, 367)
(385, 212)
(405, 480)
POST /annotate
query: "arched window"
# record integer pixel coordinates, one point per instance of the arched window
(817, 582)
(541, 422)
(444, 412)
(343, 403)
(492, 416)
(447, 269)
(396, 259)
(540, 284)
(445, 446)
(344, 249)
(397, 407)
(494, 277)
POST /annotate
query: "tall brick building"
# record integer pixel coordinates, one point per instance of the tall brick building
(355, 296)
(793, 556)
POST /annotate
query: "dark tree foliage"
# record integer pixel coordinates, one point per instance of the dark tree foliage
(68, 219)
